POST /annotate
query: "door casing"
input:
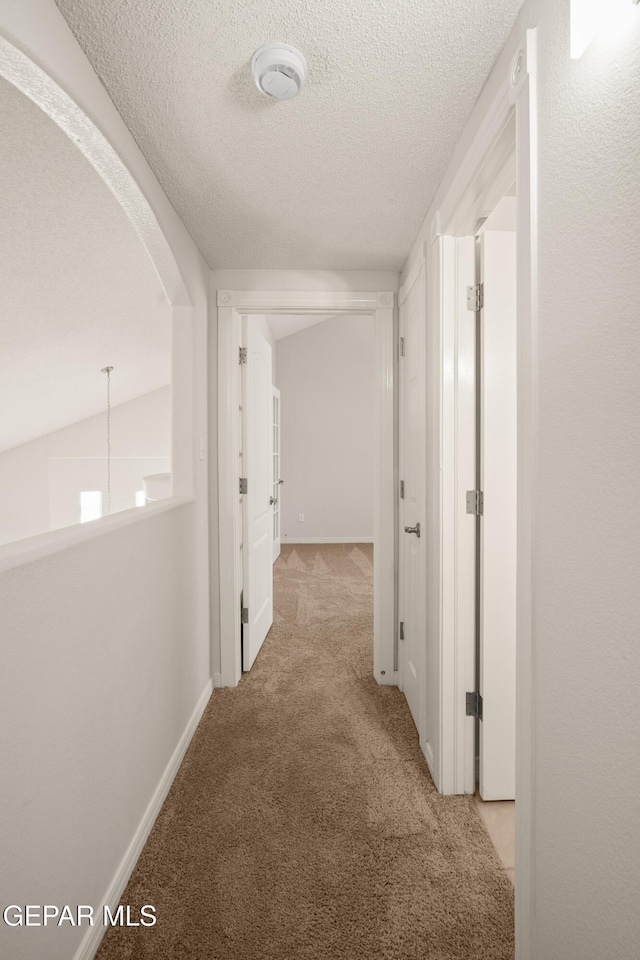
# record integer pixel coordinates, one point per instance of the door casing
(232, 305)
(412, 475)
(277, 480)
(257, 468)
(508, 120)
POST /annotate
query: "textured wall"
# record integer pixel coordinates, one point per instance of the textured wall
(588, 534)
(105, 646)
(326, 383)
(99, 677)
(77, 288)
(586, 798)
(326, 280)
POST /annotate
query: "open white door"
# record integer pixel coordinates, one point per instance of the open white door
(412, 492)
(257, 530)
(498, 472)
(276, 478)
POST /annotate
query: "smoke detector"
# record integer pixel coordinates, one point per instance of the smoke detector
(280, 70)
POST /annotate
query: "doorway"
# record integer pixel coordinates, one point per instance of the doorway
(307, 415)
(492, 508)
(412, 470)
(503, 151)
(480, 449)
(236, 591)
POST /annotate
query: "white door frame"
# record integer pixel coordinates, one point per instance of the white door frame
(416, 280)
(277, 483)
(257, 465)
(516, 95)
(232, 304)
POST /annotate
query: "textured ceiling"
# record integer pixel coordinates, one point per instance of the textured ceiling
(339, 178)
(77, 290)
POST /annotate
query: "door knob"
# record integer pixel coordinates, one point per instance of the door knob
(415, 529)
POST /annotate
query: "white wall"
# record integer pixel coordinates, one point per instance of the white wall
(326, 383)
(586, 879)
(325, 280)
(105, 644)
(100, 674)
(40, 481)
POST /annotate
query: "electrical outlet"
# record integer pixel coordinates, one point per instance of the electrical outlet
(301, 518)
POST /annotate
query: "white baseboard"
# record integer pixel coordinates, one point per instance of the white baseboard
(91, 940)
(217, 680)
(326, 540)
(427, 750)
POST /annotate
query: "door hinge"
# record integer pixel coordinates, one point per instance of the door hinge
(474, 705)
(475, 297)
(401, 630)
(475, 502)
(244, 485)
(402, 346)
(243, 355)
(402, 489)
(245, 615)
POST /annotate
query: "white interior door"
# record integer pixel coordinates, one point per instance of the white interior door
(412, 475)
(498, 452)
(257, 529)
(276, 478)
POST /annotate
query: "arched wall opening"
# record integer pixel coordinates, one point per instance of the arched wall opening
(108, 292)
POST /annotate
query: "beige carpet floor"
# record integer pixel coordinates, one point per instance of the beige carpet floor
(303, 823)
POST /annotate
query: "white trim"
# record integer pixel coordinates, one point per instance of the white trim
(229, 514)
(385, 502)
(91, 940)
(38, 86)
(35, 83)
(380, 304)
(416, 278)
(294, 301)
(428, 755)
(412, 276)
(217, 681)
(517, 91)
(19, 552)
(327, 540)
(527, 273)
(457, 270)
(276, 405)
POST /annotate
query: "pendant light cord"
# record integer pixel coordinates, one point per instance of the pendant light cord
(108, 370)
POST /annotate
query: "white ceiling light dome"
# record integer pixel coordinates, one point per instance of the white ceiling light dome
(280, 70)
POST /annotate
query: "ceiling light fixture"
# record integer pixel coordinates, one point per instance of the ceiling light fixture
(279, 70)
(108, 371)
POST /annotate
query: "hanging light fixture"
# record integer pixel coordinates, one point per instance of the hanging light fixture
(108, 371)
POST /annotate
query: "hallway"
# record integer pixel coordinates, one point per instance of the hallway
(303, 822)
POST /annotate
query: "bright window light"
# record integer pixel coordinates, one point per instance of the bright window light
(590, 17)
(90, 505)
(140, 498)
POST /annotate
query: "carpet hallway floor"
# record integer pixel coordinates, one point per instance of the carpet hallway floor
(303, 823)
